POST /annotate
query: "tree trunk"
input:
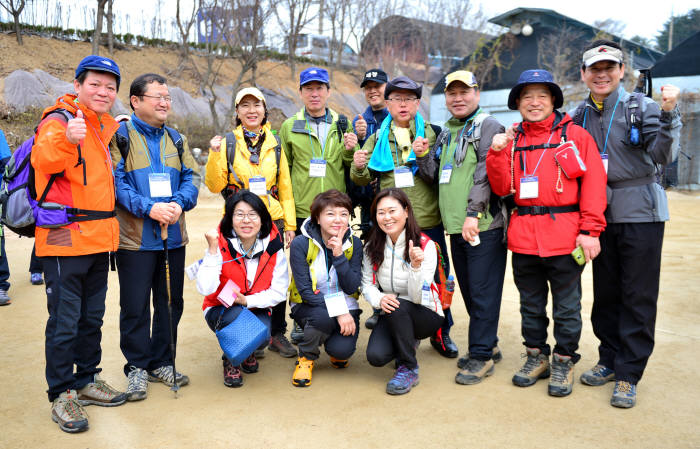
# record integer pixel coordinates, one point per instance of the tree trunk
(18, 30)
(110, 28)
(97, 35)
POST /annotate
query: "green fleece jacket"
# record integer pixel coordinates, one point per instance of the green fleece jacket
(423, 194)
(301, 144)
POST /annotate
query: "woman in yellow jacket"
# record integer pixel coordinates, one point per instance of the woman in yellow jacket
(260, 166)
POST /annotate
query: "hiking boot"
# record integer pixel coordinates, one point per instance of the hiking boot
(98, 392)
(624, 395)
(372, 321)
(232, 375)
(68, 413)
(562, 381)
(444, 345)
(4, 299)
(302, 372)
(165, 374)
(474, 372)
(279, 343)
(597, 376)
(404, 379)
(536, 367)
(250, 365)
(36, 278)
(338, 363)
(297, 334)
(497, 356)
(137, 388)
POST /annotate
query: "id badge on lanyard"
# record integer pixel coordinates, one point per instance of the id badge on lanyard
(159, 185)
(529, 187)
(335, 304)
(403, 177)
(604, 157)
(257, 185)
(192, 269)
(446, 174)
(317, 168)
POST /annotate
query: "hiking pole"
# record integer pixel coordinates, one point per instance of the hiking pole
(164, 237)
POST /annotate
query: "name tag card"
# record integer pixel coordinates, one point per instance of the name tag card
(317, 168)
(227, 295)
(257, 185)
(335, 304)
(159, 185)
(403, 177)
(529, 187)
(192, 269)
(604, 157)
(446, 174)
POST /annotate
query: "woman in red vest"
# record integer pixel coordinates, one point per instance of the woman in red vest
(248, 250)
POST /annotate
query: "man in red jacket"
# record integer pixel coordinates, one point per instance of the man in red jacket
(559, 209)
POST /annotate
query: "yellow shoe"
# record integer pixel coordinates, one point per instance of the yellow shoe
(338, 363)
(302, 372)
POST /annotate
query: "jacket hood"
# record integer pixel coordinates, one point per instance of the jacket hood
(556, 120)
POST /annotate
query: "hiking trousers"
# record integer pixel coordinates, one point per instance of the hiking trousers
(4, 265)
(321, 329)
(76, 287)
(625, 293)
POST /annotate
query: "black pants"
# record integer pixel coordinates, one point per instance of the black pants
(480, 271)
(76, 287)
(532, 274)
(437, 234)
(395, 334)
(144, 345)
(4, 265)
(35, 262)
(321, 329)
(625, 293)
(214, 317)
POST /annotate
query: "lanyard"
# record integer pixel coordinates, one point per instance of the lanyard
(328, 270)
(538, 162)
(451, 154)
(148, 151)
(322, 144)
(108, 159)
(612, 117)
(396, 256)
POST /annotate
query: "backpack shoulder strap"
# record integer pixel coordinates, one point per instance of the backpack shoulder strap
(122, 139)
(311, 254)
(278, 154)
(177, 139)
(475, 136)
(231, 156)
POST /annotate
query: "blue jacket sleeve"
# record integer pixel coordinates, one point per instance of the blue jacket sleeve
(128, 197)
(186, 195)
(301, 273)
(5, 152)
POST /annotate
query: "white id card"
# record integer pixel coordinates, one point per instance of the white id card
(426, 295)
(159, 185)
(528, 187)
(604, 157)
(257, 185)
(335, 304)
(446, 174)
(317, 168)
(403, 177)
(192, 270)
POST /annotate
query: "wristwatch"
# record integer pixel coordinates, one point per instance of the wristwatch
(473, 214)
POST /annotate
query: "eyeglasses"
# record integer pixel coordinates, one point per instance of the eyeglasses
(167, 99)
(401, 100)
(252, 216)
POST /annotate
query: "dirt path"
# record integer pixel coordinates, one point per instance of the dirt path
(349, 408)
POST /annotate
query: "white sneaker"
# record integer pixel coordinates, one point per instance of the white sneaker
(137, 388)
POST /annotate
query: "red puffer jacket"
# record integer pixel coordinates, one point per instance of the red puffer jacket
(550, 234)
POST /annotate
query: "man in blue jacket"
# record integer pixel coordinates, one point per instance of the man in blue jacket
(157, 180)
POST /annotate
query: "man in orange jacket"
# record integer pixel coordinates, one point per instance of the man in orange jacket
(73, 169)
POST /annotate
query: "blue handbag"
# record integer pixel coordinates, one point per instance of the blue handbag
(242, 336)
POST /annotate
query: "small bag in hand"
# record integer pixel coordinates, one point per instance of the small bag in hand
(568, 158)
(242, 336)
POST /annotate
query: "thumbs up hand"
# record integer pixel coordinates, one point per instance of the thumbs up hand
(415, 254)
(420, 146)
(350, 140)
(76, 130)
(361, 127)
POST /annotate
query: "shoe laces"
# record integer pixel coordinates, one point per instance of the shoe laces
(166, 373)
(73, 409)
(102, 386)
(137, 380)
(282, 339)
(531, 364)
(560, 372)
(598, 370)
(403, 374)
(623, 387)
(232, 371)
(250, 361)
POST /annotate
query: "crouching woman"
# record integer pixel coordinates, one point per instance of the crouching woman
(397, 275)
(326, 262)
(248, 250)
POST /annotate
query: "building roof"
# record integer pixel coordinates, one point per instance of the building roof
(681, 61)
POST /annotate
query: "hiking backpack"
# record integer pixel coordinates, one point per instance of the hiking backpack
(123, 141)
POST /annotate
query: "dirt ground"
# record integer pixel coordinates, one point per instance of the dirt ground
(349, 408)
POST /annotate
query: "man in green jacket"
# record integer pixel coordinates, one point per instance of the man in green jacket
(402, 154)
(474, 220)
(314, 144)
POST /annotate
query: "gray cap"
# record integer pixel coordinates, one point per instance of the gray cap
(403, 83)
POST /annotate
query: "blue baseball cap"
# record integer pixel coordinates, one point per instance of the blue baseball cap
(313, 74)
(536, 76)
(98, 64)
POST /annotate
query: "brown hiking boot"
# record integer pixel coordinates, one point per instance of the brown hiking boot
(280, 344)
(98, 392)
(474, 372)
(536, 367)
(562, 381)
(68, 414)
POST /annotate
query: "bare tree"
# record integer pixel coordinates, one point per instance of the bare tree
(97, 34)
(15, 7)
(184, 27)
(557, 52)
(609, 28)
(110, 27)
(337, 12)
(293, 17)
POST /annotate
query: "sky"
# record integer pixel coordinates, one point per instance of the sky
(640, 20)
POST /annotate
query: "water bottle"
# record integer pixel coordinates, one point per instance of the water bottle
(450, 284)
(449, 291)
